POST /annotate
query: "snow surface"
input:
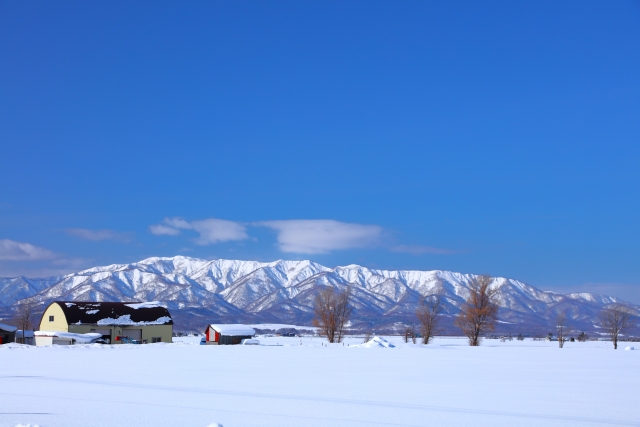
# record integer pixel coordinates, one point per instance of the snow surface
(293, 382)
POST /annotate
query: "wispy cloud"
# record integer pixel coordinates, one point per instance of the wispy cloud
(96, 235)
(420, 250)
(309, 236)
(19, 251)
(211, 230)
(302, 236)
(163, 230)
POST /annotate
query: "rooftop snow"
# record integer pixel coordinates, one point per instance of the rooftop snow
(126, 320)
(233, 330)
(150, 304)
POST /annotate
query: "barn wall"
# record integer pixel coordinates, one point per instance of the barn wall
(59, 319)
(40, 341)
(164, 332)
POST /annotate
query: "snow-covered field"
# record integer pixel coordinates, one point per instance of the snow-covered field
(298, 382)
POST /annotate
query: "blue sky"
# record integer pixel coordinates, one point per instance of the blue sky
(495, 138)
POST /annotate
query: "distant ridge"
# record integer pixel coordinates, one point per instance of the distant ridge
(203, 291)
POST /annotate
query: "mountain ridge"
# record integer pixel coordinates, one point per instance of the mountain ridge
(199, 291)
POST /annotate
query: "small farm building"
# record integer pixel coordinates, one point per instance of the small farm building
(147, 321)
(7, 333)
(26, 336)
(227, 334)
(64, 338)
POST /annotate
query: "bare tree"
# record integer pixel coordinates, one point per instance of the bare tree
(332, 311)
(615, 320)
(480, 312)
(428, 314)
(410, 333)
(562, 328)
(24, 316)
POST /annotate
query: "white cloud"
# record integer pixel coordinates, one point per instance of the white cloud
(420, 249)
(163, 230)
(18, 251)
(211, 230)
(308, 236)
(96, 235)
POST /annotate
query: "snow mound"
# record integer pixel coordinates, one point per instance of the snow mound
(629, 348)
(376, 342)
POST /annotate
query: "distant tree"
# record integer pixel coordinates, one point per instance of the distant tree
(520, 337)
(615, 320)
(24, 316)
(582, 337)
(428, 314)
(332, 311)
(562, 328)
(480, 312)
(410, 333)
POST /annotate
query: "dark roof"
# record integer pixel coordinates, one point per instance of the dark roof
(7, 328)
(114, 313)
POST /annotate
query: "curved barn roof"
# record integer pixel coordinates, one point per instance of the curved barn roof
(115, 313)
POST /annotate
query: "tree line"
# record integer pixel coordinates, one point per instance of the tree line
(478, 315)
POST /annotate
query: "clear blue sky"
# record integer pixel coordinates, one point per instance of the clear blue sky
(498, 138)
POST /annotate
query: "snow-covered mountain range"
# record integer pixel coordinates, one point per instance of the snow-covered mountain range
(198, 292)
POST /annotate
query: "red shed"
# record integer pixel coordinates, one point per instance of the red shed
(220, 334)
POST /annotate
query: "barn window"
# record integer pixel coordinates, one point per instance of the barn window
(50, 318)
(156, 339)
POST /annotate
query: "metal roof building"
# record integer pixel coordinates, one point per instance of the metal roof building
(7, 333)
(148, 321)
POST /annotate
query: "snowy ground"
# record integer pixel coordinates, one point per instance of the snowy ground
(298, 382)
